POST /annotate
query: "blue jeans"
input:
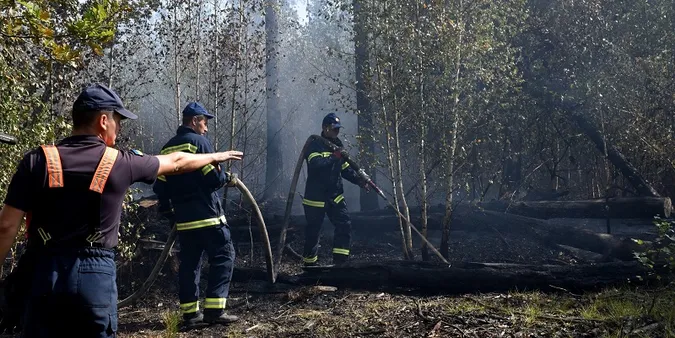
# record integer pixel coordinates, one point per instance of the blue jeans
(74, 294)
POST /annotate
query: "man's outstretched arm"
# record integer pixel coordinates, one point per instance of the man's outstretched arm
(182, 162)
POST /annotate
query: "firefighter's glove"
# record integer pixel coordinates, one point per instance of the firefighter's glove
(231, 180)
(364, 184)
(340, 153)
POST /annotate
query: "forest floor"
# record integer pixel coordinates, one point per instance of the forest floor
(311, 312)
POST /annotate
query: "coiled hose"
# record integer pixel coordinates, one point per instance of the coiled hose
(134, 297)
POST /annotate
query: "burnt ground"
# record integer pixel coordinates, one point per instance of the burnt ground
(310, 312)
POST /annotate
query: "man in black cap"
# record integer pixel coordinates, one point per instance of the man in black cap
(323, 194)
(192, 201)
(71, 194)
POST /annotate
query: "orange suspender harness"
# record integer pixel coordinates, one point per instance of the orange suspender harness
(55, 175)
(55, 171)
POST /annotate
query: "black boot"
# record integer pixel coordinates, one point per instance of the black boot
(192, 319)
(339, 259)
(219, 318)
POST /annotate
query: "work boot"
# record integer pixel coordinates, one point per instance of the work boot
(192, 319)
(220, 318)
(340, 259)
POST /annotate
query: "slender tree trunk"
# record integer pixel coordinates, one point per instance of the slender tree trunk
(112, 59)
(424, 203)
(274, 160)
(235, 91)
(390, 162)
(450, 153)
(363, 105)
(175, 65)
(392, 171)
(398, 179)
(198, 48)
(629, 172)
(216, 82)
(235, 87)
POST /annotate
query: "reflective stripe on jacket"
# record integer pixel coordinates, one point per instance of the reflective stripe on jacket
(193, 197)
(324, 175)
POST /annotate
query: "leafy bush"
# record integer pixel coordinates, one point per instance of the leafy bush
(659, 257)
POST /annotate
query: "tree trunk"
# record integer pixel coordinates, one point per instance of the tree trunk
(450, 153)
(623, 207)
(423, 167)
(233, 100)
(423, 136)
(216, 80)
(460, 277)
(198, 50)
(615, 156)
(175, 66)
(111, 63)
(392, 172)
(363, 106)
(398, 179)
(274, 159)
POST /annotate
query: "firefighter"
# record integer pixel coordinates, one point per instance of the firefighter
(73, 192)
(193, 203)
(323, 194)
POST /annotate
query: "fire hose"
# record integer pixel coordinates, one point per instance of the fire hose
(364, 176)
(234, 182)
(7, 139)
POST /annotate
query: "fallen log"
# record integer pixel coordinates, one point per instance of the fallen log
(632, 207)
(467, 219)
(462, 277)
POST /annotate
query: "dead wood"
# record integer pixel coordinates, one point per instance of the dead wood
(461, 277)
(632, 207)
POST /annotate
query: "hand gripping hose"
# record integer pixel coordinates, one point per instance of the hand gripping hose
(234, 182)
(362, 174)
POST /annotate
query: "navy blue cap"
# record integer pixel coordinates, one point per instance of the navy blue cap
(195, 109)
(331, 120)
(97, 97)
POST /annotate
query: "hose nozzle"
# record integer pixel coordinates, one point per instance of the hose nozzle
(370, 182)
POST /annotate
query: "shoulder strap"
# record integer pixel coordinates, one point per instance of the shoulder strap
(103, 170)
(54, 170)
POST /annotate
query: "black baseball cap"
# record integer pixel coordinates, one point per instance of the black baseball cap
(97, 97)
(331, 120)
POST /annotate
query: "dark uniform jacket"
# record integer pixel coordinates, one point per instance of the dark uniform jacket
(193, 196)
(325, 173)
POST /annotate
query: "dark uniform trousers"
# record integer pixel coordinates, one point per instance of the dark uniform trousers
(74, 294)
(336, 209)
(217, 243)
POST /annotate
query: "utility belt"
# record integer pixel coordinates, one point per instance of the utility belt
(45, 240)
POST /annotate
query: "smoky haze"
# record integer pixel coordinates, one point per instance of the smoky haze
(477, 99)
(162, 66)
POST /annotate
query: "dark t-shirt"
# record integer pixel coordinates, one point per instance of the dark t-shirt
(79, 155)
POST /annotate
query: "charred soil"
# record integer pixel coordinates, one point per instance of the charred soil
(310, 311)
